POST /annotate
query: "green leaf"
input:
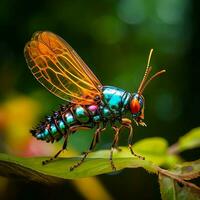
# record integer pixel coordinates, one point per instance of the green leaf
(153, 149)
(156, 150)
(190, 140)
(167, 188)
(173, 185)
(188, 170)
(31, 168)
(171, 190)
(96, 163)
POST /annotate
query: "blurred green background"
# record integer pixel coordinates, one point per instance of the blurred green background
(114, 39)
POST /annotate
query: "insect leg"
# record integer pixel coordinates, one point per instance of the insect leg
(115, 141)
(92, 146)
(72, 129)
(127, 123)
(58, 153)
(130, 139)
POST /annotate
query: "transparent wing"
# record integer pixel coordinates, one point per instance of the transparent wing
(58, 67)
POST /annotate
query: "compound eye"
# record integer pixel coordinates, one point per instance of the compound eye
(135, 106)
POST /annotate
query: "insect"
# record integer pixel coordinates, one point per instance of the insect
(90, 105)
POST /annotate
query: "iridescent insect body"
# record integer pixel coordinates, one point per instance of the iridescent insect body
(90, 104)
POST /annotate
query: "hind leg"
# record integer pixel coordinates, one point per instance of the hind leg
(72, 129)
(92, 146)
(58, 153)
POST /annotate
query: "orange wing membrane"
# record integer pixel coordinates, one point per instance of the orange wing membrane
(58, 67)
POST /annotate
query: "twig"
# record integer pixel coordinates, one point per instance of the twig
(177, 178)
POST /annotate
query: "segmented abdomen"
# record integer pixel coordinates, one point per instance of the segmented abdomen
(58, 125)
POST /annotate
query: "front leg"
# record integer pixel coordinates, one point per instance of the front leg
(127, 123)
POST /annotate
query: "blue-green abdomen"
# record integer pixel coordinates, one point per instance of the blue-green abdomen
(58, 125)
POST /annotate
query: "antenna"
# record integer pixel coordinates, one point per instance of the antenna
(144, 81)
(147, 72)
(153, 77)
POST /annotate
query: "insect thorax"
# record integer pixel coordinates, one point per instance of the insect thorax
(116, 100)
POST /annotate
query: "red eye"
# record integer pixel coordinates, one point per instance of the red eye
(135, 106)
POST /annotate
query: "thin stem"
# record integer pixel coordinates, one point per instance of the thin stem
(177, 178)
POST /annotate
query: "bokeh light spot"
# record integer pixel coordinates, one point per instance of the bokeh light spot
(131, 11)
(171, 11)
